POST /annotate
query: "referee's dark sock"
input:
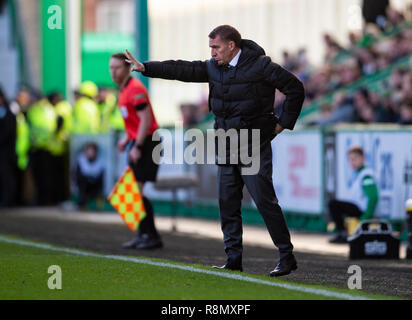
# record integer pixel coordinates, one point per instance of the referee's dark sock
(147, 225)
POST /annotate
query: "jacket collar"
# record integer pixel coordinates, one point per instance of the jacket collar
(235, 59)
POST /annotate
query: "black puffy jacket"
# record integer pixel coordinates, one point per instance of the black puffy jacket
(241, 96)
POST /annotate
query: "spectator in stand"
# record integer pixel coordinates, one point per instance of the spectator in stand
(389, 111)
(353, 40)
(343, 109)
(349, 72)
(367, 60)
(362, 104)
(408, 13)
(374, 11)
(326, 112)
(407, 86)
(383, 113)
(332, 47)
(393, 17)
(288, 61)
(406, 112)
(368, 54)
(302, 69)
(395, 80)
(367, 114)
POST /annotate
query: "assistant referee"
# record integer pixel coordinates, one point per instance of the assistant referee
(140, 123)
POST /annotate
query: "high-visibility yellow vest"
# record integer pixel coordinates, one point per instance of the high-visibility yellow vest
(86, 116)
(65, 110)
(42, 121)
(22, 141)
(106, 110)
(60, 142)
(116, 120)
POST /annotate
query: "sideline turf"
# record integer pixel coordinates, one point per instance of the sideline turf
(23, 275)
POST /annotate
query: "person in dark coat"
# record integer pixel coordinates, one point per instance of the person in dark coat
(373, 10)
(8, 157)
(242, 83)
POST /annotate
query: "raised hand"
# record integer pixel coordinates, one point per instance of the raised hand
(136, 65)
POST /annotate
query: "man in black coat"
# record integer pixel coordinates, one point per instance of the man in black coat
(242, 83)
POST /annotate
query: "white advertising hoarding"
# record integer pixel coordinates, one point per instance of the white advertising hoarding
(297, 171)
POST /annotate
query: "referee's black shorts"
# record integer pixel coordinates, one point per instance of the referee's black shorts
(146, 168)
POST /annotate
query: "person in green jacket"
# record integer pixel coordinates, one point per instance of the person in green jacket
(362, 198)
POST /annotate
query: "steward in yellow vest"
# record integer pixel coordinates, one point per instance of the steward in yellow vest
(86, 115)
(42, 120)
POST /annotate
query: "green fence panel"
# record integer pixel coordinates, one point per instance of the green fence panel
(96, 51)
(53, 46)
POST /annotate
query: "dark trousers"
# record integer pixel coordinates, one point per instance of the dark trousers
(7, 180)
(61, 178)
(44, 173)
(49, 174)
(146, 170)
(260, 186)
(89, 188)
(341, 209)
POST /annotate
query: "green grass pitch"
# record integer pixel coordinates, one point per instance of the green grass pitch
(24, 275)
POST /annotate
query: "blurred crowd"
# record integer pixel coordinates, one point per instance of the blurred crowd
(377, 47)
(35, 133)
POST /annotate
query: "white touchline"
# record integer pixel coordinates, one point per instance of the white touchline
(321, 292)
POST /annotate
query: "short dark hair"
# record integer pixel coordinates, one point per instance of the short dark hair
(121, 56)
(357, 150)
(227, 33)
(53, 96)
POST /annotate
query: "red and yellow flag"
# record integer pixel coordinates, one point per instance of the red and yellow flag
(127, 200)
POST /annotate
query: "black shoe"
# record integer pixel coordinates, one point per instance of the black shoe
(230, 266)
(339, 239)
(284, 267)
(148, 243)
(132, 243)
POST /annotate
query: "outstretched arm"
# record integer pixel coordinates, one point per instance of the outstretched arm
(187, 71)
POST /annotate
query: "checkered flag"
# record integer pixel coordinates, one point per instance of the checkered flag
(127, 200)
